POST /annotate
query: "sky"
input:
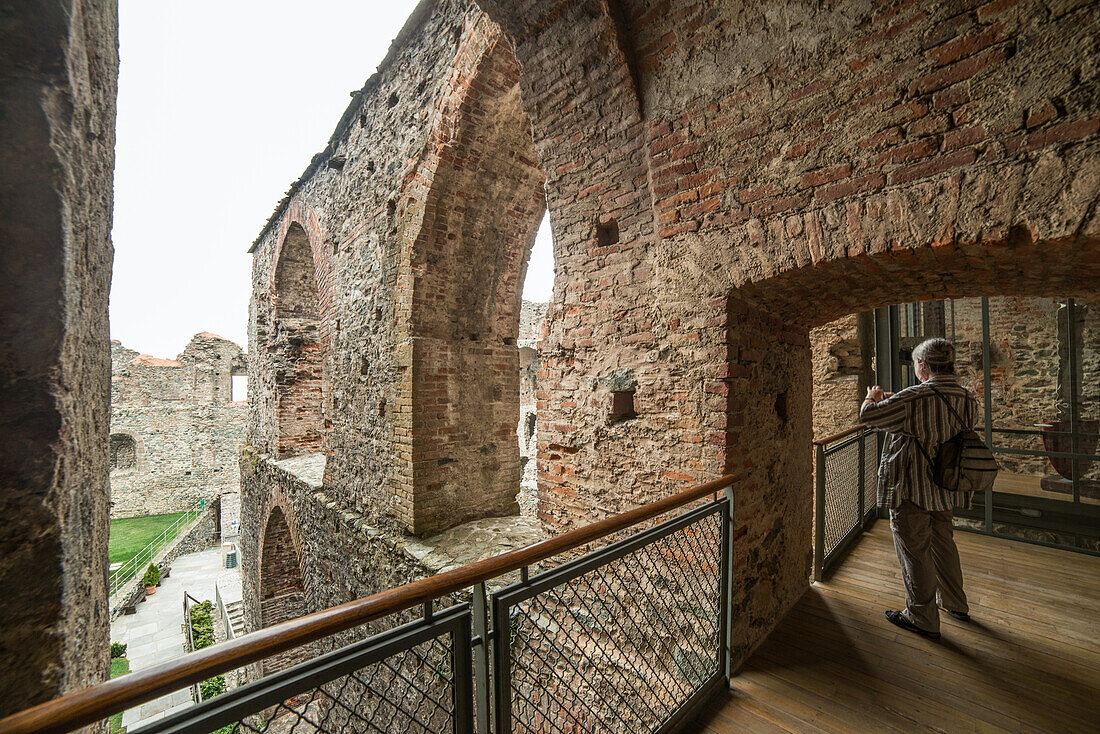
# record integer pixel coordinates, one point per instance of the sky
(221, 105)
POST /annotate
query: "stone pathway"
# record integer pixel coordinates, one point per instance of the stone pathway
(155, 633)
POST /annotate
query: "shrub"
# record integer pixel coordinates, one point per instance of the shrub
(118, 650)
(152, 576)
(202, 624)
(212, 687)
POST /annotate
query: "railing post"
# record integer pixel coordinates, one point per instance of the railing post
(819, 513)
(727, 587)
(463, 716)
(482, 673)
(862, 475)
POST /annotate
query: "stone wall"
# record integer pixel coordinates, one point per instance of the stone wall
(58, 81)
(532, 317)
(842, 369)
(303, 551)
(179, 419)
(824, 160)
(1026, 352)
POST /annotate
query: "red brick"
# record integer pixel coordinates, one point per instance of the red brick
(909, 152)
(846, 188)
(932, 167)
(749, 195)
(825, 175)
(957, 72)
(962, 137)
(1040, 114)
(960, 48)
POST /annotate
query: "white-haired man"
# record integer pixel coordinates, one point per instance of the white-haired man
(916, 421)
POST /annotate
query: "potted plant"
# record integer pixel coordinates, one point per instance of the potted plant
(151, 579)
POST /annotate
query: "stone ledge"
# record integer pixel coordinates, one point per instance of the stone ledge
(308, 469)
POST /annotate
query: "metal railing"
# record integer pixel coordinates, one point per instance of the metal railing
(188, 602)
(127, 570)
(223, 612)
(631, 637)
(845, 467)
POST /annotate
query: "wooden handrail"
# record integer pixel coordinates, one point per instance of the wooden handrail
(93, 704)
(843, 434)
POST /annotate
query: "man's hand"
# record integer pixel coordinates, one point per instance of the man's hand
(875, 394)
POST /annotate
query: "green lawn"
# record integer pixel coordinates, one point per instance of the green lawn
(119, 666)
(129, 535)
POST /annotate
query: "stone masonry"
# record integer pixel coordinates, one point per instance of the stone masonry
(720, 177)
(175, 431)
(532, 316)
(822, 160)
(58, 84)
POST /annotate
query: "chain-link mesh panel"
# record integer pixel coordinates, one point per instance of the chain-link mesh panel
(410, 691)
(841, 493)
(621, 647)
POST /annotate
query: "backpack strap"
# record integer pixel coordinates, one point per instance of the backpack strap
(950, 407)
(954, 412)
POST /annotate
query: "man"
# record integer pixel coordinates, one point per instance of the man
(916, 421)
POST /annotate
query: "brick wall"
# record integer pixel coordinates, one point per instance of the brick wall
(864, 155)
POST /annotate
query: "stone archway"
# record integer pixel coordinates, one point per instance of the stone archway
(469, 260)
(282, 593)
(767, 327)
(297, 348)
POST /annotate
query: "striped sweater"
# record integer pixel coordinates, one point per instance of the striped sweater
(911, 415)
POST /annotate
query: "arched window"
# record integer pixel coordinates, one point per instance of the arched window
(123, 452)
(297, 350)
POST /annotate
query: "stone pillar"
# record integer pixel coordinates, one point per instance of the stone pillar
(58, 82)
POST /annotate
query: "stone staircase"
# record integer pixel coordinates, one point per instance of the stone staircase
(235, 612)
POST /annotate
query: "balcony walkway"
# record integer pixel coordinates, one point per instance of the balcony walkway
(1029, 660)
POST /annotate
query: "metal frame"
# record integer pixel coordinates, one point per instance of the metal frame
(1067, 516)
(867, 512)
(527, 588)
(247, 700)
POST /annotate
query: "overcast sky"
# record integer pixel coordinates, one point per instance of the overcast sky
(221, 105)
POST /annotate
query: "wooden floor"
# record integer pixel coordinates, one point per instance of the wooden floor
(1029, 660)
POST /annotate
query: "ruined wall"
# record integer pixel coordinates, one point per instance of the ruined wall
(1024, 369)
(823, 160)
(837, 363)
(835, 157)
(180, 419)
(531, 320)
(420, 367)
(58, 76)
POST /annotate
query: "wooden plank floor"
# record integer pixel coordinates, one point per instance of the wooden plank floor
(1029, 661)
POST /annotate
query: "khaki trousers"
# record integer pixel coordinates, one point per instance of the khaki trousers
(929, 564)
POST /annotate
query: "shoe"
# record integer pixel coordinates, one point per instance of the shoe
(961, 616)
(896, 617)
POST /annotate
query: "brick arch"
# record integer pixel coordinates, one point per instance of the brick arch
(1013, 265)
(766, 327)
(297, 344)
(468, 262)
(282, 594)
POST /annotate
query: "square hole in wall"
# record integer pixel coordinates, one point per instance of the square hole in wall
(622, 405)
(607, 233)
